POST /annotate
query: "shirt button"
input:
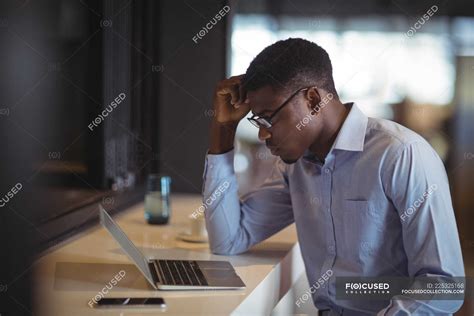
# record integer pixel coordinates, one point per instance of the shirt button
(327, 171)
(328, 210)
(211, 166)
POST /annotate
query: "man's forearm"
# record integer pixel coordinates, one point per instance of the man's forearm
(222, 206)
(221, 137)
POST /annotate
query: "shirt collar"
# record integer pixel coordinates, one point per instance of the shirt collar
(351, 136)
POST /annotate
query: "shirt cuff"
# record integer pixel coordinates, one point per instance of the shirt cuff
(219, 166)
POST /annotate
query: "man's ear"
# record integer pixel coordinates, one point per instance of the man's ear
(314, 97)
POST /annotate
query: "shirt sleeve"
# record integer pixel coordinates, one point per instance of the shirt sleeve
(417, 184)
(235, 224)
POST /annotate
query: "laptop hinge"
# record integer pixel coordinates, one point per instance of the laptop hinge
(153, 269)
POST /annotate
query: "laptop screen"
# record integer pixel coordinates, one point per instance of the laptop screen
(128, 247)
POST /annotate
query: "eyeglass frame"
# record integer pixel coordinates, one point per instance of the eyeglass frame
(268, 119)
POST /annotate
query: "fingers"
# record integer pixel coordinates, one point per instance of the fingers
(233, 87)
(230, 100)
(242, 95)
(230, 91)
(241, 92)
(234, 100)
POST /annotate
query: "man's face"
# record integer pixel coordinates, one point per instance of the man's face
(292, 130)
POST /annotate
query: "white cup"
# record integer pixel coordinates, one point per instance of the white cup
(197, 225)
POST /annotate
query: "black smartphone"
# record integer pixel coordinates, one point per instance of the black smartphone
(136, 302)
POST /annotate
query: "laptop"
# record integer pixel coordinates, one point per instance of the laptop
(166, 274)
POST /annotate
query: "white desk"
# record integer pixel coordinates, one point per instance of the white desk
(67, 277)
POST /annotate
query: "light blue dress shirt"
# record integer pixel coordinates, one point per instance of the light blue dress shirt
(380, 205)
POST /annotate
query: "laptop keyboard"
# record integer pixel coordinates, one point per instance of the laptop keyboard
(181, 272)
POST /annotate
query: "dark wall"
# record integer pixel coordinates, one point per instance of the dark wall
(16, 235)
(170, 79)
(189, 73)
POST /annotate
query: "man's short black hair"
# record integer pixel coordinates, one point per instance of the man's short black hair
(290, 64)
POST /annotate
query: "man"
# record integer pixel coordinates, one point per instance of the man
(369, 197)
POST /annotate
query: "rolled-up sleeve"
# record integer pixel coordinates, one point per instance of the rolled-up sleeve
(235, 224)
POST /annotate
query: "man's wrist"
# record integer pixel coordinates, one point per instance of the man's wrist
(222, 137)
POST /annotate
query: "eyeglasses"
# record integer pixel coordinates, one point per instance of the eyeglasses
(266, 121)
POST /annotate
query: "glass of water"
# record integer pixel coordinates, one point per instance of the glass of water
(157, 199)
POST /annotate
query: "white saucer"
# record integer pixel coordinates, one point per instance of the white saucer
(192, 238)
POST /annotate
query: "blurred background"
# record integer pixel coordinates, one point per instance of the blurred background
(63, 62)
